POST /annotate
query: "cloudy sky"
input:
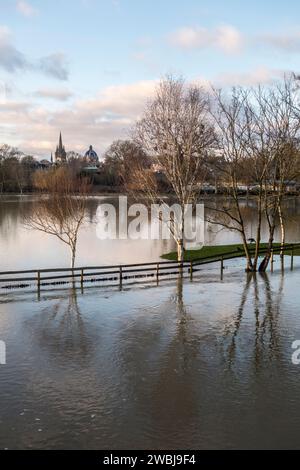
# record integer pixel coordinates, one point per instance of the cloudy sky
(86, 67)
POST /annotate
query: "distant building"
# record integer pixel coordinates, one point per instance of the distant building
(44, 164)
(60, 152)
(91, 156)
(90, 159)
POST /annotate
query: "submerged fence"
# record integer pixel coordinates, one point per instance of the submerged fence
(118, 274)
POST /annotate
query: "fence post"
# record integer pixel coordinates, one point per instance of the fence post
(38, 280)
(81, 278)
(292, 259)
(222, 266)
(157, 273)
(191, 270)
(121, 277)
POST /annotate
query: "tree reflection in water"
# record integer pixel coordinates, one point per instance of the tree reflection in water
(61, 330)
(265, 304)
(180, 366)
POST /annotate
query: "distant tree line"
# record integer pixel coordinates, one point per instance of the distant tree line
(20, 173)
(16, 170)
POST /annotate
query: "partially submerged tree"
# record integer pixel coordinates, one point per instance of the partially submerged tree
(280, 106)
(258, 131)
(176, 132)
(232, 129)
(61, 209)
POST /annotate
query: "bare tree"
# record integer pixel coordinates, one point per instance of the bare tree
(176, 132)
(121, 159)
(73, 155)
(261, 151)
(287, 122)
(61, 209)
(232, 131)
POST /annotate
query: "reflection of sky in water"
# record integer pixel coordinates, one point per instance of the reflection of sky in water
(21, 248)
(205, 364)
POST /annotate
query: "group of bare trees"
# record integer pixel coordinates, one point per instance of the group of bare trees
(248, 134)
(258, 130)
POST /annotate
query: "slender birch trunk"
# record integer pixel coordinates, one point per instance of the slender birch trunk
(282, 230)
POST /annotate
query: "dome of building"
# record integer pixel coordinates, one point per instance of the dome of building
(91, 155)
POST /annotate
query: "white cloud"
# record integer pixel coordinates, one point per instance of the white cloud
(60, 94)
(285, 42)
(225, 38)
(191, 38)
(260, 75)
(54, 65)
(122, 100)
(10, 58)
(97, 121)
(26, 9)
(229, 39)
(14, 107)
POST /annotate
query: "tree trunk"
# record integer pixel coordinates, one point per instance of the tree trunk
(73, 253)
(180, 240)
(282, 229)
(249, 267)
(180, 250)
(265, 262)
(257, 247)
(258, 232)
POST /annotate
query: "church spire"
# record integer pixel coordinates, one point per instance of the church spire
(60, 154)
(60, 146)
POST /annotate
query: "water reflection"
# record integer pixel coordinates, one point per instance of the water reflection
(21, 248)
(199, 364)
(60, 330)
(258, 298)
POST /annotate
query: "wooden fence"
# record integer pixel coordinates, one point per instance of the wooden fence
(118, 274)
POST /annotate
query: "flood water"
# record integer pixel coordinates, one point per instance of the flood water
(202, 364)
(23, 248)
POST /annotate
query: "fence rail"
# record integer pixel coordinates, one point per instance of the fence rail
(121, 273)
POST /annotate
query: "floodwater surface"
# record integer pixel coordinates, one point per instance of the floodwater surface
(23, 248)
(202, 364)
(205, 364)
